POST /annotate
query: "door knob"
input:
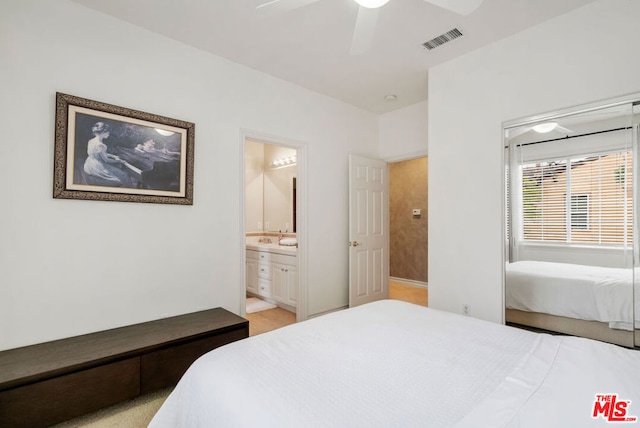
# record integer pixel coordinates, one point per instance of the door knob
(355, 243)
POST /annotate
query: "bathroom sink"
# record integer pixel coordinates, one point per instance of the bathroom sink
(273, 247)
(289, 242)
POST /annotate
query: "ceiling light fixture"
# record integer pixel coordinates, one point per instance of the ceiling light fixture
(371, 4)
(283, 162)
(543, 128)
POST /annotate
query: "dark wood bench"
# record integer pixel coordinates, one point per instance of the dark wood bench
(51, 382)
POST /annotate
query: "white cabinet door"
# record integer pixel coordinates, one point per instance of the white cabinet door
(292, 272)
(252, 275)
(285, 283)
(280, 285)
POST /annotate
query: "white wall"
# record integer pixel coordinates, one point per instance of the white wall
(254, 182)
(70, 267)
(585, 56)
(403, 133)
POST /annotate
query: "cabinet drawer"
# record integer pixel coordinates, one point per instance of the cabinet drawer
(69, 396)
(251, 254)
(264, 256)
(284, 259)
(264, 288)
(165, 367)
(264, 270)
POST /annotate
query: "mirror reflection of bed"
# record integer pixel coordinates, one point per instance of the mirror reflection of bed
(570, 244)
(588, 301)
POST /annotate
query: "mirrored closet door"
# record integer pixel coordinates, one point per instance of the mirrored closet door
(572, 232)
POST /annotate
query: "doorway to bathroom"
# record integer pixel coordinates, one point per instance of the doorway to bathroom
(273, 288)
(408, 230)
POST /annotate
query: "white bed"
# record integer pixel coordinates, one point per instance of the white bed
(391, 363)
(589, 293)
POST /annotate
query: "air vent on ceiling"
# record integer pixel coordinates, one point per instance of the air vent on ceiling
(442, 39)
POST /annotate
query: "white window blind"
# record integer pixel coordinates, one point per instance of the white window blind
(586, 200)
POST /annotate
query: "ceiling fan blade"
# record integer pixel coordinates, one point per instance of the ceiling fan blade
(281, 6)
(364, 30)
(564, 130)
(516, 132)
(461, 7)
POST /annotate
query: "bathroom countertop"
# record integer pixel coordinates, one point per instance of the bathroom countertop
(273, 248)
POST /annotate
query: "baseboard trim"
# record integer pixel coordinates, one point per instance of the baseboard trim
(409, 282)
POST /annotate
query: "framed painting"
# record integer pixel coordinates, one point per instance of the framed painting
(110, 153)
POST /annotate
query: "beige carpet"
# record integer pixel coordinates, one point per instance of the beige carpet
(136, 413)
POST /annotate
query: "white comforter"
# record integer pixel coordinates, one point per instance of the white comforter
(589, 293)
(391, 363)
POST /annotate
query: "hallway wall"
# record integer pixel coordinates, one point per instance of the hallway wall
(408, 190)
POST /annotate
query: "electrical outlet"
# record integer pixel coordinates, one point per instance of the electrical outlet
(466, 309)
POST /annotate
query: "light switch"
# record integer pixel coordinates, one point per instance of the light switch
(416, 211)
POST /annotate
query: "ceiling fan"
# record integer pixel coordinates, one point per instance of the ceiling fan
(368, 15)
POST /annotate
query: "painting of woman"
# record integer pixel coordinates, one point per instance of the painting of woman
(99, 163)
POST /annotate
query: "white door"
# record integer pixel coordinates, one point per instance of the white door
(368, 230)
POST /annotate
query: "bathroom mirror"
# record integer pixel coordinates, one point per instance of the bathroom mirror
(270, 187)
(571, 223)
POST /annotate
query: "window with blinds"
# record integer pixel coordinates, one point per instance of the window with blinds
(585, 200)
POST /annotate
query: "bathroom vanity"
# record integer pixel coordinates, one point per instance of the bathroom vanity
(272, 273)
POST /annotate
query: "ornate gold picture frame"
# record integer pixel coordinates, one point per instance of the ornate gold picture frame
(110, 153)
